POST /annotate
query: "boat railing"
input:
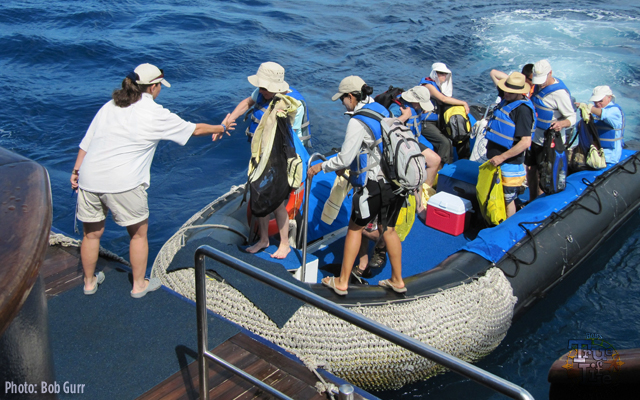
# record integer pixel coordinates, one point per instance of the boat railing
(453, 363)
(305, 223)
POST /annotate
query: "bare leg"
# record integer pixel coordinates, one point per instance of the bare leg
(90, 250)
(282, 219)
(433, 165)
(139, 254)
(511, 209)
(351, 248)
(263, 231)
(394, 249)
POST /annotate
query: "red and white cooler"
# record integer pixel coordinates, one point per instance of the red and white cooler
(448, 213)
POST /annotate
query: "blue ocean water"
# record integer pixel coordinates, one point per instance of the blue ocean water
(60, 61)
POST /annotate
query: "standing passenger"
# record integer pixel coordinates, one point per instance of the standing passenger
(112, 171)
(440, 85)
(509, 135)
(373, 194)
(269, 81)
(554, 110)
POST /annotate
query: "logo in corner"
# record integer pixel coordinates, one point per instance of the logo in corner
(592, 361)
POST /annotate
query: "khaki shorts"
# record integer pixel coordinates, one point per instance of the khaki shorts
(127, 208)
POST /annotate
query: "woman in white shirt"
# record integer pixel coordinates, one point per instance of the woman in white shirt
(112, 169)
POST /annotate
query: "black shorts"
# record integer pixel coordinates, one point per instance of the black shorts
(382, 203)
(534, 155)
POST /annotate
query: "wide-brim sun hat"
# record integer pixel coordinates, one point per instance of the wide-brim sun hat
(270, 76)
(514, 83)
(349, 84)
(599, 93)
(419, 94)
(540, 71)
(149, 74)
(440, 67)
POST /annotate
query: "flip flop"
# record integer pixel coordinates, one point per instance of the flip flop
(154, 284)
(387, 284)
(332, 284)
(99, 279)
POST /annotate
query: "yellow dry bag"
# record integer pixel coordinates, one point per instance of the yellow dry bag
(491, 194)
(406, 217)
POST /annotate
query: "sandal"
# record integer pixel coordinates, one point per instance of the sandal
(359, 272)
(387, 284)
(379, 258)
(331, 282)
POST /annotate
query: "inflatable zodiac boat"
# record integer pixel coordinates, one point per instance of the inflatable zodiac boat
(463, 292)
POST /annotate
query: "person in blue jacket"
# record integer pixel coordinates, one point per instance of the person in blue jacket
(509, 135)
(609, 119)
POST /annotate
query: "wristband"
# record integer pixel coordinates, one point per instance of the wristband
(75, 172)
(224, 127)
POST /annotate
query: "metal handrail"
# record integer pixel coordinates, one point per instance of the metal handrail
(203, 339)
(453, 363)
(305, 222)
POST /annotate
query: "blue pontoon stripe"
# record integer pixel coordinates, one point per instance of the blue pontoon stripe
(493, 243)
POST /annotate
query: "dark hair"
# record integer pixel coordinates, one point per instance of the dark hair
(130, 93)
(363, 93)
(527, 70)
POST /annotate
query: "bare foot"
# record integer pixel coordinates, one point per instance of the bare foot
(257, 247)
(282, 252)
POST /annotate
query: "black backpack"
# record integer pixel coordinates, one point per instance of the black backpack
(553, 168)
(388, 97)
(269, 190)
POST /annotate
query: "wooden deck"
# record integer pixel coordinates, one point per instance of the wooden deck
(62, 271)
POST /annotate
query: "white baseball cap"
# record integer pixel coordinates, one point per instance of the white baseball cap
(599, 92)
(540, 71)
(149, 74)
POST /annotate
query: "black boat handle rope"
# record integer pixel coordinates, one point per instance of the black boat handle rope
(592, 188)
(634, 163)
(515, 259)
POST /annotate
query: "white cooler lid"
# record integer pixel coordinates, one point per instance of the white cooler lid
(449, 202)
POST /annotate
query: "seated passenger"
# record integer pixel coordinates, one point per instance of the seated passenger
(373, 195)
(260, 99)
(609, 119)
(417, 101)
(527, 71)
(509, 135)
(269, 81)
(440, 85)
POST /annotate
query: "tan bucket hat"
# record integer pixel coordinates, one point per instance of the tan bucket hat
(270, 76)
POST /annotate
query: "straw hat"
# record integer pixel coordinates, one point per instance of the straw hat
(270, 76)
(514, 83)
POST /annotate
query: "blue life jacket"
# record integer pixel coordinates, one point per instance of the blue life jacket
(415, 121)
(368, 158)
(431, 115)
(544, 114)
(608, 135)
(262, 105)
(501, 127)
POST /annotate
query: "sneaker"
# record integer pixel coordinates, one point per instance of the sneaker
(379, 258)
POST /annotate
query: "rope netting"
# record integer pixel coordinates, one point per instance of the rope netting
(467, 321)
